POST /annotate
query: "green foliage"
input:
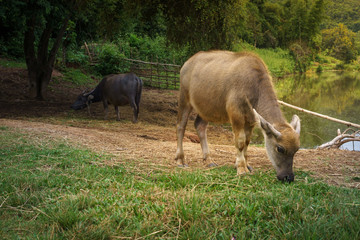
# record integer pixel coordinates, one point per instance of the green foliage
(341, 42)
(153, 49)
(11, 28)
(302, 55)
(77, 57)
(302, 21)
(110, 60)
(171, 31)
(345, 12)
(204, 25)
(51, 190)
(319, 69)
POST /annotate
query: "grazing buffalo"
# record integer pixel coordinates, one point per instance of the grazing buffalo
(224, 86)
(115, 89)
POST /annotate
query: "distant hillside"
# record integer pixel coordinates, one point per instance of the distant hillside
(342, 11)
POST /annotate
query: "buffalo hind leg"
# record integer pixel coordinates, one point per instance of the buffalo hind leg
(248, 132)
(136, 111)
(200, 126)
(183, 115)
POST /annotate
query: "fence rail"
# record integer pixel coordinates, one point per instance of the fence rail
(154, 74)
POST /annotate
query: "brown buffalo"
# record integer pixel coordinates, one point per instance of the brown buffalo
(224, 86)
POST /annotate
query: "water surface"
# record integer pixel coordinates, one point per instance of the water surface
(336, 94)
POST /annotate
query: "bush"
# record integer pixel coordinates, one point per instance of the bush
(77, 57)
(302, 55)
(340, 66)
(319, 69)
(110, 60)
(321, 58)
(152, 49)
(341, 42)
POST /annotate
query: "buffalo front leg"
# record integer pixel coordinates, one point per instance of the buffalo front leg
(241, 139)
(200, 126)
(106, 109)
(242, 121)
(183, 115)
(117, 113)
(242, 129)
(241, 149)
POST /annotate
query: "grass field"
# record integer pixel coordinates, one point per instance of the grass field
(50, 189)
(279, 61)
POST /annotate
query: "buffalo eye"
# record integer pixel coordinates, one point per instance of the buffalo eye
(280, 149)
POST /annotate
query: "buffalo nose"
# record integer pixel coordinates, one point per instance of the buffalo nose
(287, 178)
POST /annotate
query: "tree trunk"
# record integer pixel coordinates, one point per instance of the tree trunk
(40, 67)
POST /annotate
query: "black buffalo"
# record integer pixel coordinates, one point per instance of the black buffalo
(115, 89)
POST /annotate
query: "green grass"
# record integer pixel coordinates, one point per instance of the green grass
(76, 76)
(12, 63)
(279, 61)
(50, 189)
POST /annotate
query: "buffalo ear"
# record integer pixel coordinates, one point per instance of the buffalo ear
(267, 127)
(295, 124)
(90, 97)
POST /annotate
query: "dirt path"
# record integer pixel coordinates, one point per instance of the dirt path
(153, 145)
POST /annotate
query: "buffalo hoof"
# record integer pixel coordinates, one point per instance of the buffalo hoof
(183, 166)
(250, 168)
(212, 165)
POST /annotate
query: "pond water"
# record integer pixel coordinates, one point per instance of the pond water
(336, 94)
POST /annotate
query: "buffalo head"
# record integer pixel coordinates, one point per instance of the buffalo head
(281, 142)
(82, 101)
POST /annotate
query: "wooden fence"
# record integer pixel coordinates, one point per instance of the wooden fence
(154, 74)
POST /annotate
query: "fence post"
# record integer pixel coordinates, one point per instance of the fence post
(151, 70)
(157, 75)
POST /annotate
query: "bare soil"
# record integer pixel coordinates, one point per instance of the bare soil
(153, 138)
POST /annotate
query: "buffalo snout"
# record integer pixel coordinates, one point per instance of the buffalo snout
(286, 177)
(78, 106)
(80, 103)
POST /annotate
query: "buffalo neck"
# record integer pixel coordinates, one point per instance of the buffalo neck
(97, 93)
(268, 106)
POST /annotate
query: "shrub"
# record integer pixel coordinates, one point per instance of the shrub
(77, 57)
(110, 60)
(341, 42)
(302, 55)
(319, 69)
(154, 49)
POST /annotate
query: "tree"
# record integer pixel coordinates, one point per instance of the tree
(50, 19)
(316, 15)
(255, 21)
(202, 25)
(301, 21)
(263, 23)
(340, 41)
